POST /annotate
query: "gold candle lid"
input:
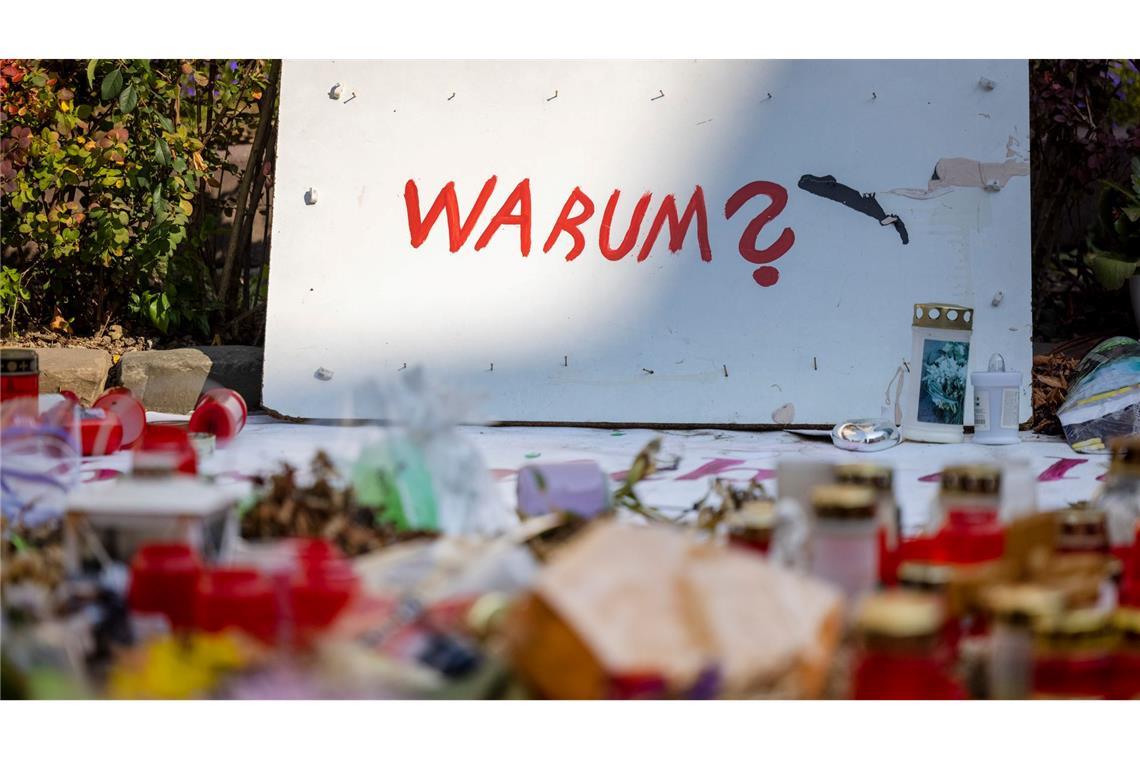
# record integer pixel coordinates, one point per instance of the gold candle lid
(971, 479)
(1127, 620)
(753, 515)
(871, 474)
(844, 502)
(943, 316)
(1024, 602)
(925, 575)
(1075, 624)
(900, 614)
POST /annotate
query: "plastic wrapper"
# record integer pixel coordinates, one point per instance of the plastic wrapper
(439, 478)
(1104, 396)
(39, 457)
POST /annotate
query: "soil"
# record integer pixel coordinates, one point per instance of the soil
(115, 345)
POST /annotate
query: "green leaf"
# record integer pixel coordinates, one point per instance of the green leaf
(1132, 212)
(112, 85)
(1111, 272)
(128, 99)
(161, 151)
(166, 123)
(91, 73)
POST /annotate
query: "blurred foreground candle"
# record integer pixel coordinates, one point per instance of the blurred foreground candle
(901, 653)
(1126, 664)
(164, 579)
(1015, 610)
(935, 392)
(1119, 498)
(1073, 654)
(967, 493)
(19, 373)
(752, 526)
(879, 477)
(843, 543)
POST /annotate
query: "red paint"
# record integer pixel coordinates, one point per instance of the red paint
(1057, 470)
(679, 227)
(631, 233)
(570, 224)
(718, 467)
(517, 210)
(446, 200)
(764, 276)
(934, 477)
(520, 197)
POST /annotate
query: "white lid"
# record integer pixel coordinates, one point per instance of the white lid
(164, 496)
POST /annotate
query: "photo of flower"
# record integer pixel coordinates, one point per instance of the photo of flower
(942, 390)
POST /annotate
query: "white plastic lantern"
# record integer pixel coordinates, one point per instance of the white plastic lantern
(935, 394)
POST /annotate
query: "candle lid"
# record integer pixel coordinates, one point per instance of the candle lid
(871, 474)
(843, 501)
(971, 478)
(943, 316)
(1023, 602)
(756, 515)
(1127, 620)
(16, 360)
(900, 614)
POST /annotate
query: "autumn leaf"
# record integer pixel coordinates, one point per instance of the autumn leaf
(59, 324)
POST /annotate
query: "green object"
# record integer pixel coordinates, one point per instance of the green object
(533, 455)
(392, 478)
(1115, 239)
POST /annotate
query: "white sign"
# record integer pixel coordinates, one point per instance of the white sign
(734, 242)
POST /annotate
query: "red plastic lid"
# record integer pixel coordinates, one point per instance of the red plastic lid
(130, 410)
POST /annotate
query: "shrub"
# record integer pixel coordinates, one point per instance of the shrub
(109, 176)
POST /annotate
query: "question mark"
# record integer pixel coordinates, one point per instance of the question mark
(765, 276)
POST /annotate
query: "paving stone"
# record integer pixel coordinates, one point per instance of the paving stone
(172, 380)
(82, 370)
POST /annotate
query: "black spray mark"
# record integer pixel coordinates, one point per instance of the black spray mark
(865, 203)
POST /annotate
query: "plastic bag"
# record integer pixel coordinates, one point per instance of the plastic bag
(1104, 396)
(439, 478)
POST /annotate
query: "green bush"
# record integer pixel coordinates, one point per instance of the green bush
(110, 170)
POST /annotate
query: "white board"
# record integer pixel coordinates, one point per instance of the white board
(672, 338)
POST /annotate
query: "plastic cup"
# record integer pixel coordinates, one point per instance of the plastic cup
(166, 447)
(100, 432)
(129, 409)
(219, 411)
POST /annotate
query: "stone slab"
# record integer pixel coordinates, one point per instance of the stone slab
(82, 370)
(172, 380)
